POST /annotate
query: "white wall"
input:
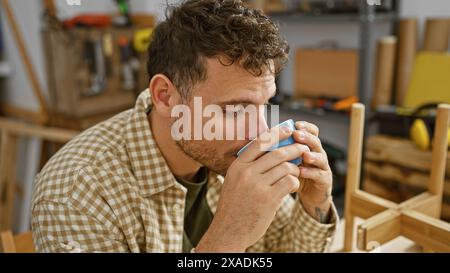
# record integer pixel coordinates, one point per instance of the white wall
(18, 90)
(90, 6)
(423, 9)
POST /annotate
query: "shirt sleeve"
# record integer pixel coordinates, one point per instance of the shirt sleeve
(294, 230)
(61, 228)
(74, 223)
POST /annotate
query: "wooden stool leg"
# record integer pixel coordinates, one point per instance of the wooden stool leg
(353, 169)
(7, 242)
(8, 160)
(439, 155)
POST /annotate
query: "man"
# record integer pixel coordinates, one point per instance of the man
(129, 185)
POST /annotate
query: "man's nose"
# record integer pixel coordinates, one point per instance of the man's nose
(261, 127)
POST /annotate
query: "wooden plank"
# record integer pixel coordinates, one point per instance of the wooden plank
(382, 190)
(366, 205)
(29, 130)
(7, 242)
(25, 114)
(353, 168)
(398, 245)
(401, 152)
(9, 177)
(401, 176)
(425, 203)
(5, 173)
(24, 243)
(379, 229)
(431, 233)
(440, 147)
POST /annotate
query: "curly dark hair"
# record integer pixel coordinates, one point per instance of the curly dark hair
(199, 29)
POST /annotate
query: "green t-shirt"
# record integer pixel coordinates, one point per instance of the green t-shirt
(197, 214)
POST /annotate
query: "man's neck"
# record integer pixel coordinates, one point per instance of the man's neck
(181, 165)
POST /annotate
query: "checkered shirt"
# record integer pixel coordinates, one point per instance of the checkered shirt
(110, 190)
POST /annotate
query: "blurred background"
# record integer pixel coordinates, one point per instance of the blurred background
(70, 64)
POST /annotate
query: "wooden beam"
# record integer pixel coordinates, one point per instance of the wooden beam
(36, 117)
(7, 242)
(401, 152)
(391, 174)
(353, 168)
(8, 154)
(379, 229)
(440, 147)
(425, 203)
(24, 242)
(429, 232)
(366, 205)
(8, 169)
(29, 130)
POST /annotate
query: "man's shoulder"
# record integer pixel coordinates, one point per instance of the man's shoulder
(92, 150)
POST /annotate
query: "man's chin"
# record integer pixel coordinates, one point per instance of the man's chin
(223, 169)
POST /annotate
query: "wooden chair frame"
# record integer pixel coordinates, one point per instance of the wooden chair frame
(416, 218)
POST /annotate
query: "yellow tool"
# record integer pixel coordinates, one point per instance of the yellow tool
(421, 132)
(141, 39)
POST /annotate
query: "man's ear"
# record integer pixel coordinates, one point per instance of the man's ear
(164, 95)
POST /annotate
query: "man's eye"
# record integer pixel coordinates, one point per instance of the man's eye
(233, 113)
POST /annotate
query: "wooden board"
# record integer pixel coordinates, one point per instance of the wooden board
(417, 180)
(326, 73)
(69, 76)
(392, 192)
(400, 152)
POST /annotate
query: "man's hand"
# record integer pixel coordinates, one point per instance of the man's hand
(253, 191)
(315, 173)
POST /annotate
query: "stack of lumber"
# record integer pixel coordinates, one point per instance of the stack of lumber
(395, 169)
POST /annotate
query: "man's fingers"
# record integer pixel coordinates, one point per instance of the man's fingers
(264, 142)
(312, 173)
(305, 137)
(284, 186)
(278, 172)
(311, 128)
(280, 155)
(318, 160)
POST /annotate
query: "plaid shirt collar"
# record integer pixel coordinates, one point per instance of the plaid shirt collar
(144, 152)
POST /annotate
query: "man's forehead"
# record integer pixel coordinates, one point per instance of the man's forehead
(216, 66)
(235, 76)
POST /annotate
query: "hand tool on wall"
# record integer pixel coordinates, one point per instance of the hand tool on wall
(96, 59)
(129, 63)
(141, 39)
(108, 49)
(124, 9)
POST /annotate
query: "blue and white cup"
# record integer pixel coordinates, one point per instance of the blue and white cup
(288, 141)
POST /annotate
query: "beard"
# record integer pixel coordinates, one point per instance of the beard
(207, 155)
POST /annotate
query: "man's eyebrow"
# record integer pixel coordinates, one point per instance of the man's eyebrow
(236, 102)
(242, 101)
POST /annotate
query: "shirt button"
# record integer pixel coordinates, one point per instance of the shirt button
(176, 207)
